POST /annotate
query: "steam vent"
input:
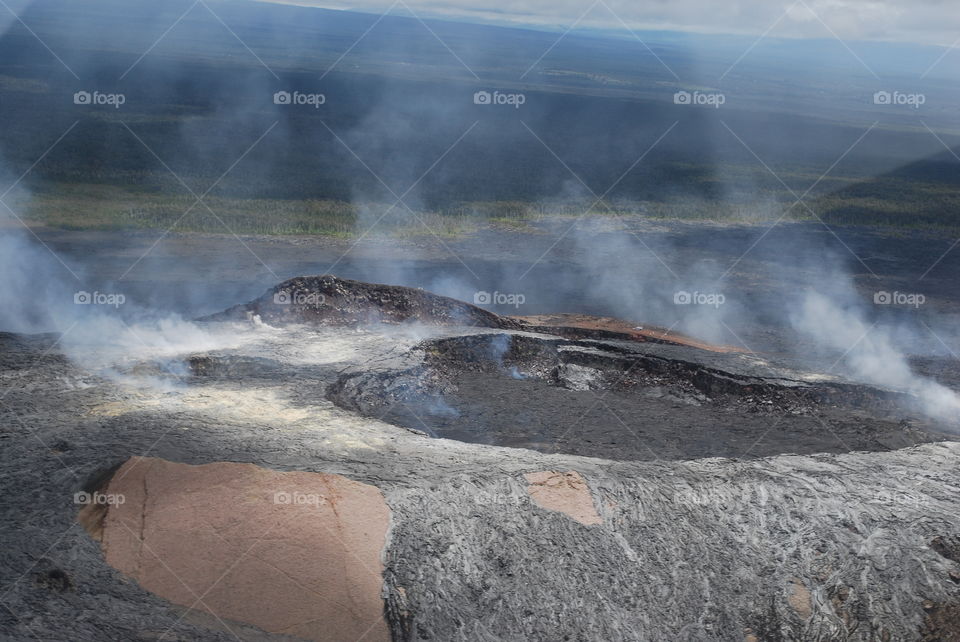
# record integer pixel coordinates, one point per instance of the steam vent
(479, 321)
(340, 460)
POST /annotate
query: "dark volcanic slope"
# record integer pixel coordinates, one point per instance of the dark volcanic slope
(645, 425)
(627, 401)
(329, 300)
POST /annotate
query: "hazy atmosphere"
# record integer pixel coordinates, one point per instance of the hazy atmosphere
(923, 22)
(455, 321)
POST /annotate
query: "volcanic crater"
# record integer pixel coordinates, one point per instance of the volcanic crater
(351, 460)
(581, 385)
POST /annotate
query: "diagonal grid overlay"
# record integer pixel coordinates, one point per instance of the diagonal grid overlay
(498, 613)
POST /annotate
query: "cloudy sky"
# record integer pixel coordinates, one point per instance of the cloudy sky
(919, 21)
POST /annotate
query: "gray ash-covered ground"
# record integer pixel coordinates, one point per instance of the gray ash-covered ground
(856, 546)
(650, 425)
(852, 541)
(630, 401)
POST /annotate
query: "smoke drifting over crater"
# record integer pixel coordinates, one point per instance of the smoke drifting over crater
(98, 327)
(869, 351)
(364, 146)
(643, 302)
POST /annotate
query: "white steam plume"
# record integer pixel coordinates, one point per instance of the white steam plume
(870, 352)
(38, 294)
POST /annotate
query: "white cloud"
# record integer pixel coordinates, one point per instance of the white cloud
(919, 21)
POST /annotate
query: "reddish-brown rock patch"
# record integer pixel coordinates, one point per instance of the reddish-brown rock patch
(800, 599)
(585, 326)
(290, 552)
(564, 492)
